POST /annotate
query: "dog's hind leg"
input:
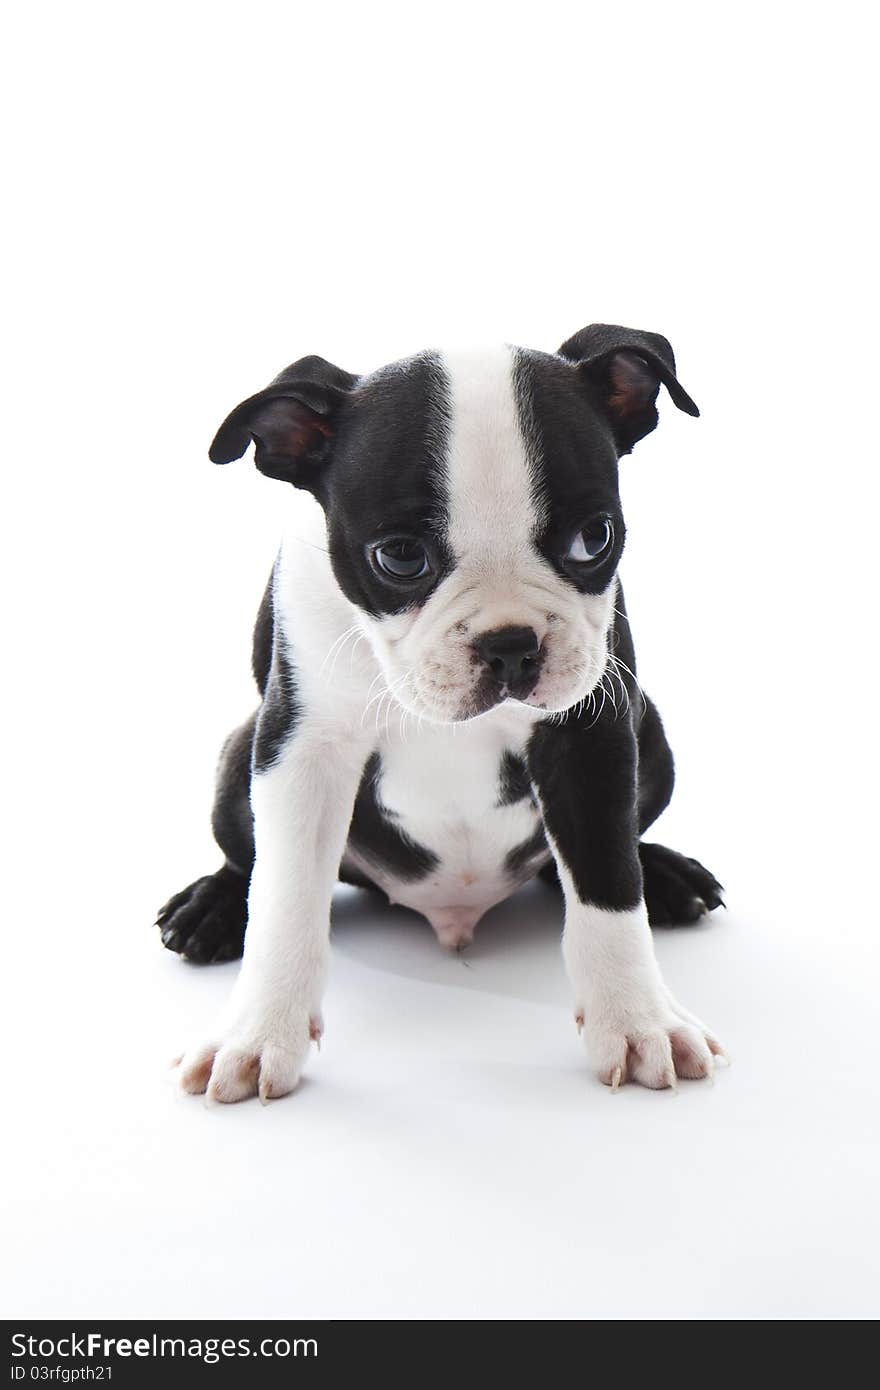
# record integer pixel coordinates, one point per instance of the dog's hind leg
(656, 766)
(206, 921)
(677, 889)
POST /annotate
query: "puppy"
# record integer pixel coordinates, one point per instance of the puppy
(449, 704)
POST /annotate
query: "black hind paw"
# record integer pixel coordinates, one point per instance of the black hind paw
(206, 921)
(678, 890)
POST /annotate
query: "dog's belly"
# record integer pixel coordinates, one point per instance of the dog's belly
(446, 823)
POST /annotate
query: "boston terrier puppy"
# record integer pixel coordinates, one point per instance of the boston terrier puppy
(449, 705)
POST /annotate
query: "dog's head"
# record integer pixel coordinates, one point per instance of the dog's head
(473, 515)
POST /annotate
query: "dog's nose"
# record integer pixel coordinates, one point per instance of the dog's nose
(512, 655)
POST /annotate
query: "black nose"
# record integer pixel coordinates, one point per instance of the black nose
(512, 655)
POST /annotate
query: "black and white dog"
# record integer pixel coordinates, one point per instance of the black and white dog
(449, 705)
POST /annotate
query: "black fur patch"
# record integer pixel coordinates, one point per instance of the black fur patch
(386, 479)
(656, 766)
(522, 856)
(264, 636)
(514, 783)
(585, 773)
(278, 714)
(573, 455)
(374, 835)
(231, 818)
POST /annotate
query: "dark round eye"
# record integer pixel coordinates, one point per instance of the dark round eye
(401, 558)
(592, 543)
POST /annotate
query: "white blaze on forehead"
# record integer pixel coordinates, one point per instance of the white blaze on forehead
(492, 511)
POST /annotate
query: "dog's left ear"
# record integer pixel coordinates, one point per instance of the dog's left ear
(627, 367)
(292, 422)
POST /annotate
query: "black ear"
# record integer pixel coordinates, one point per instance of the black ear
(292, 422)
(627, 367)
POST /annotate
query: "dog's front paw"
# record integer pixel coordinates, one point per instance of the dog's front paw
(653, 1046)
(250, 1060)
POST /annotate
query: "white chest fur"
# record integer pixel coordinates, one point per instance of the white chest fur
(442, 784)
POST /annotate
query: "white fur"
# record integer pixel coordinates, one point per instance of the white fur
(441, 781)
(633, 1028)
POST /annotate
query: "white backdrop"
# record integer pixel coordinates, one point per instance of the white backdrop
(203, 193)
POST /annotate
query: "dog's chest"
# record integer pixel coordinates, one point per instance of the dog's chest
(446, 822)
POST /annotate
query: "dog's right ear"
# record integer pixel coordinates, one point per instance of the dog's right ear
(292, 422)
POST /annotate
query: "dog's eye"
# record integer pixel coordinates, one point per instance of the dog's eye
(592, 543)
(402, 559)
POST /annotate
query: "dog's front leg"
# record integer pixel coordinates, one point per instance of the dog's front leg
(302, 795)
(585, 777)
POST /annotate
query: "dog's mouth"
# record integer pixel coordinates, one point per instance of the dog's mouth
(490, 693)
(484, 697)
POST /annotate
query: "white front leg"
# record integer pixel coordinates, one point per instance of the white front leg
(302, 807)
(633, 1028)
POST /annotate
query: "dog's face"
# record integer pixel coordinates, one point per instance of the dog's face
(472, 507)
(473, 517)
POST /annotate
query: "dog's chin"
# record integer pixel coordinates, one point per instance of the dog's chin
(468, 706)
(485, 698)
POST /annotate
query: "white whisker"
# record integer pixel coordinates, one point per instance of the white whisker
(336, 647)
